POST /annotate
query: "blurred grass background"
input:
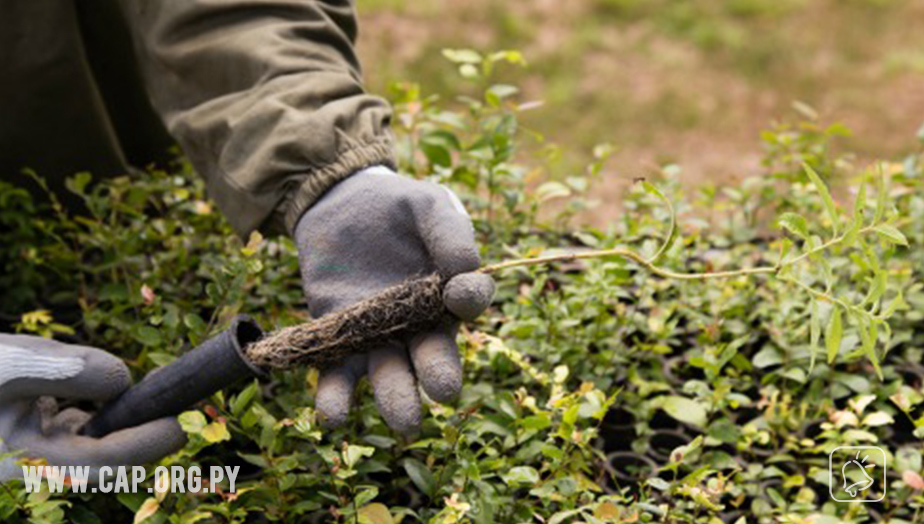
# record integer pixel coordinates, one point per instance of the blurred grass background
(686, 81)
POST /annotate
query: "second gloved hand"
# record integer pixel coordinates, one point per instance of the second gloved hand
(371, 231)
(33, 372)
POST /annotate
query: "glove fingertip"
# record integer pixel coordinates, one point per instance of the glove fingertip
(335, 394)
(170, 433)
(437, 364)
(112, 376)
(468, 295)
(402, 415)
(333, 411)
(395, 388)
(142, 444)
(443, 384)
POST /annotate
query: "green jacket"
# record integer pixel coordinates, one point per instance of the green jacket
(264, 96)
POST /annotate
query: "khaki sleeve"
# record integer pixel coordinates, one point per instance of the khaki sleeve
(265, 98)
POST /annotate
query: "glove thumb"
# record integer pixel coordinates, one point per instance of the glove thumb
(468, 295)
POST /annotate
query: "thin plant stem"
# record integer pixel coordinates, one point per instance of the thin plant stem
(648, 263)
(819, 294)
(834, 241)
(632, 255)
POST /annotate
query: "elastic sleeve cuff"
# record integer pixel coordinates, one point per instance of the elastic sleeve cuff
(318, 181)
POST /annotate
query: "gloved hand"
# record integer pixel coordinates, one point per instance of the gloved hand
(34, 369)
(373, 230)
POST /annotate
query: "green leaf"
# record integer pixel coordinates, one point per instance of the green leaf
(216, 432)
(797, 374)
(881, 196)
(897, 302)
(684, 410)
(77, 183)
(375, 513)
(195, 323)
(552, 190)
(879, 418)
(147, 510)
(468, 71)
(366, 495)
(436, 154)
(870, 257)
(859, 206)
(149, 336)
(868, 341)
(240, 402)
(213, 291)
(561, 516)
(354, 453)
(785, 247)
(509, 55)
(891, 234)
(805, 110)
(815, 334)
(680, 453)
(160, 358)
(672, 228)
(498, 92)
(766, 357)
(463, 56)
(834, 334)
(380, 441)
(795, 224)
(877, 288)
(725, 431)
(825, 196)
(521, 475)
(536, 422)
(192, 421)
(420, 475)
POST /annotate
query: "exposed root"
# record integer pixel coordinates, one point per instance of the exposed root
(408, 308)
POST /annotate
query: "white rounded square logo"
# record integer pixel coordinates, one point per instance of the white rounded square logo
(857, 474)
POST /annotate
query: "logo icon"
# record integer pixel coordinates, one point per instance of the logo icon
(860, 465)
(854, 472)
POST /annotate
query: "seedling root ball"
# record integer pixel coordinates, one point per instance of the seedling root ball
(401, 310)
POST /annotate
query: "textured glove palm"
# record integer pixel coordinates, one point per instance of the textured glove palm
(32, 371)
(371, 231)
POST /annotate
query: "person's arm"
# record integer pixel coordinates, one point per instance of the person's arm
(264, 97)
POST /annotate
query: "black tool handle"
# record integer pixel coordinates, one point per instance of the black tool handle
(214, 365)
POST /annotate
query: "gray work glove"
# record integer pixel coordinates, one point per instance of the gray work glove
(32, 371)
(377, 229)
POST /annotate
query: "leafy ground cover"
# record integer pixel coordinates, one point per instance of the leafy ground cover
(596, 390)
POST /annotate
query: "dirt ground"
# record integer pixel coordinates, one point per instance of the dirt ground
(667, 82)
